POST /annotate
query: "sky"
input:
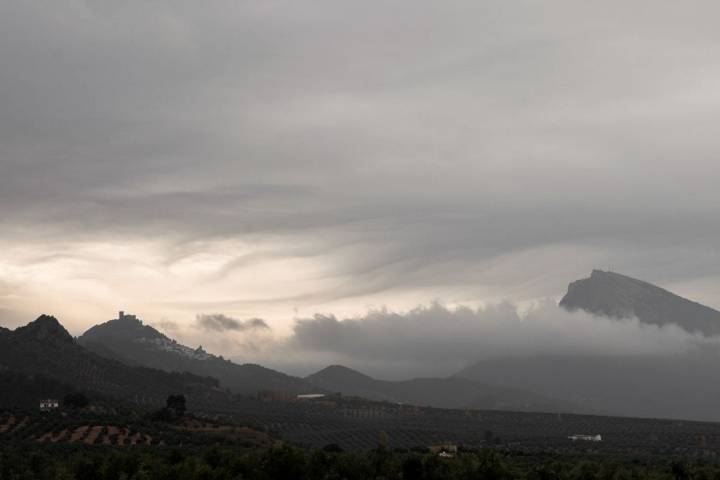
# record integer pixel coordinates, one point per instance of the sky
(204, 163)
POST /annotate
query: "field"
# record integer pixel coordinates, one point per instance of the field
(121, 430)
(357, 424)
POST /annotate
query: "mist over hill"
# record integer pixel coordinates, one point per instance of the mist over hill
(669, 383)
(438, 340)
(128, 340)
(589, 359)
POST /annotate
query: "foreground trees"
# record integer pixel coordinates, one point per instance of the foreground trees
(288, 463)
(174, 409)
(75, 400)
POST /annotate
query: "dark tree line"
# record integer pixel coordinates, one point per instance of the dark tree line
(288, 463)
(174, 409)
(75, 400)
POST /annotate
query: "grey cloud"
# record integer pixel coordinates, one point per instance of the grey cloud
(220, 323)
(437, 340)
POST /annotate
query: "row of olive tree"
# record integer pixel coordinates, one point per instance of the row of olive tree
(288, 463)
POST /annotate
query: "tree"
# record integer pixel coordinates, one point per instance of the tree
(75, 400)
(174, 409)
(176, 403)
(284, 463)
(383, 440)
(412, 468)
(680, 470)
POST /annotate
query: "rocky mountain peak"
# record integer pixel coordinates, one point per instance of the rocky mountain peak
(45, 327)
(614, 295)
(125, 327)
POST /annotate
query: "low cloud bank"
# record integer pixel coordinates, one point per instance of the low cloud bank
(437, 340)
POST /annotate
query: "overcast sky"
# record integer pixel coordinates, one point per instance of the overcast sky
(237, 161)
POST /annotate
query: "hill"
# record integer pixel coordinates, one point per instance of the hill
(436, 392)
(614, 295)
(43, 348)
(661, 386)
(674, 386)
(128, 340)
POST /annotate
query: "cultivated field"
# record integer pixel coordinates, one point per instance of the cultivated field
(82, 428)
(357, 424)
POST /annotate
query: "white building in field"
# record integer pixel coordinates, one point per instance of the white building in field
(448, 450)
(586, 438)
(49, 404)
(310, 396)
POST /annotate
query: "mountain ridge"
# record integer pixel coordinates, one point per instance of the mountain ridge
(128, 340)
(450, 392)
(44, 347)
(45, 327)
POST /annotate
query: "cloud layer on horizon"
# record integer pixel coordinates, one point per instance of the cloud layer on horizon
(437, 340)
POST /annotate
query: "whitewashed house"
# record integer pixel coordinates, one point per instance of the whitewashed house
(49, 404)
(586, 438)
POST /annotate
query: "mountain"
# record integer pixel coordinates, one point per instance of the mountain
(43, 348)
(677, 385)
(436, 392)
(340, 379)
(673, 386)
(128, 340)
(614, 295)
(45, 328)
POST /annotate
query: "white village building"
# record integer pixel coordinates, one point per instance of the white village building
(586, 438)
(49, 404)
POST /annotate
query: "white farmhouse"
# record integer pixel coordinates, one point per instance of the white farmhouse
(49, 404)
(586, 438)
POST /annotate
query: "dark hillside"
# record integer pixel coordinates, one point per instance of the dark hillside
(126, 339)
(45, 348)
(437, 392)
